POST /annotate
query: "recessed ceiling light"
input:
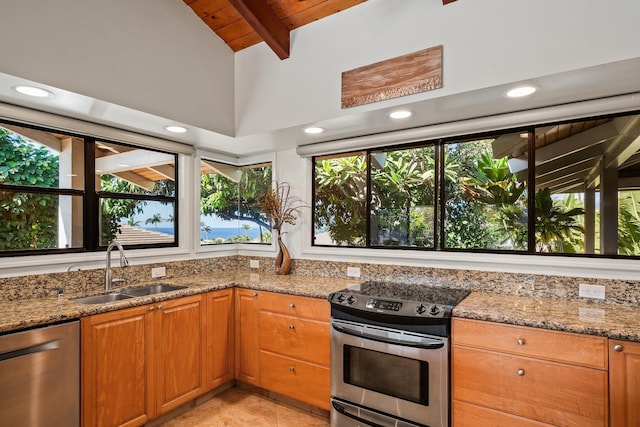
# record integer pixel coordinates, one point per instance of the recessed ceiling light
(176, 129)
(313, 130)
(400, 114)
(37, 92)
(521, 91)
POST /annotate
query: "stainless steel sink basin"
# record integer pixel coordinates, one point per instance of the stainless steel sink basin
(155, 288)
(102, 299)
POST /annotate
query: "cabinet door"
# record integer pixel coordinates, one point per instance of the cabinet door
(219, 338)
(624, 383)
(179, 341)
(116, 367)
(247, 336)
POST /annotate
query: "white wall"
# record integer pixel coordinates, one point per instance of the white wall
(486, 43)
(156, 56)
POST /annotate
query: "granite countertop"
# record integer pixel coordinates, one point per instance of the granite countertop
(588, 317)
(583, 316)
(28, 313)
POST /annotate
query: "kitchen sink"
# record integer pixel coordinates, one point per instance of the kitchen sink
(102, 299)
(155, 288)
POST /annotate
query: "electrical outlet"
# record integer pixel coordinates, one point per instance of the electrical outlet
(591, 291)
(254, 263)
(353, 271)
(158, 272)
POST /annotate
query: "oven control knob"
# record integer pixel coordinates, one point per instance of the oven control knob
(421, 309)
(434, 310)
(351, 299)
(341, 298)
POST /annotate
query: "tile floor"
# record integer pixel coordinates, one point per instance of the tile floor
(238, 407)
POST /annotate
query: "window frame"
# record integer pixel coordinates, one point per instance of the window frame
(440, 211)
(91, 197)
(209, 246)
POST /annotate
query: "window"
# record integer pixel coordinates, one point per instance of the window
(485, 199)
(340, 200)
(136, 194)
(403, 197)
(50, 201)
(555, 188)
(229, 203)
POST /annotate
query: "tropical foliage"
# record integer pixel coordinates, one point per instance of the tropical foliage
(27, 220)
(231, 200)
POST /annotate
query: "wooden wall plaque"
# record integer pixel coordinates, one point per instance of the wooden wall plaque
(405, 75)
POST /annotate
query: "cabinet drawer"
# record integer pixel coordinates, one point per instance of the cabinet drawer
(550, 392)
(468, 415)
(302, 381)
(294, 305)
(550, 345)
(296, 337)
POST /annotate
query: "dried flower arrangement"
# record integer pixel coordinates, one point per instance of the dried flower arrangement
(282, 208)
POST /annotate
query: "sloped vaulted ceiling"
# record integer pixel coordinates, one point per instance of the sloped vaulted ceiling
(243, 23)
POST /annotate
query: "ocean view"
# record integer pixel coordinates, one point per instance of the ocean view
(223, 233)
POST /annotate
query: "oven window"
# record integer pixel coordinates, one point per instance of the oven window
(396, 376)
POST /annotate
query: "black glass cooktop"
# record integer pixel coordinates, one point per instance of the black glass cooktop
(410, 292)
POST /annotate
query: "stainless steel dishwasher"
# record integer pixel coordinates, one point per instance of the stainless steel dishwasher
(40, 377)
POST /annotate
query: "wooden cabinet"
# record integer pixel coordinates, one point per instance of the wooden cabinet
(509, 375)
(141, 362)
(247, 346)
(220, 338)
(294, 347)
(116, 368)
(624, 383)
(179, 338)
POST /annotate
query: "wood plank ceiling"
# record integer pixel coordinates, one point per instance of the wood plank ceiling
(243, 23)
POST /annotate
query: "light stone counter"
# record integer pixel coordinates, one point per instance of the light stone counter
(581, 316)
(561, 314)
(28, 313)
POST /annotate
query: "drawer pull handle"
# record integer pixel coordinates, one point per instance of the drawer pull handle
(292, 305)
(618, 347)
(521, 372)
(521, 341)
(292, 368)
(151, 308)
(292, 326)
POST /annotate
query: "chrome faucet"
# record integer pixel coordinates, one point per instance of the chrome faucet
(108, 275)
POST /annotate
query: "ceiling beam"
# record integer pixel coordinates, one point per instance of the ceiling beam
(266, 23)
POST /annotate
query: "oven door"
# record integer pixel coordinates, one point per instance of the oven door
(402, 374)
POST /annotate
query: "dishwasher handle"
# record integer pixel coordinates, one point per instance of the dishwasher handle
(38, 348)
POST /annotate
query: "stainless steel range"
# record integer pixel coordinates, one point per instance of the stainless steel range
(390, 355)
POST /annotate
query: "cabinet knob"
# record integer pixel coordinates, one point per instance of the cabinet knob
(521, 341)
(292, 368)
(521, 372)
(618, 347)
(151, 308)
(254, 294)
(160, 307)
(292, 326)
(292, 305)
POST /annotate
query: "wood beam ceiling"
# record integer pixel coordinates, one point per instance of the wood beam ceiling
(266, 23)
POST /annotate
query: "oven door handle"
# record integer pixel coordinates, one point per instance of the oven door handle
(417, 342)
(342, 410)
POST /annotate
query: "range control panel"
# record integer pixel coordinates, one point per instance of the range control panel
(390, 307)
